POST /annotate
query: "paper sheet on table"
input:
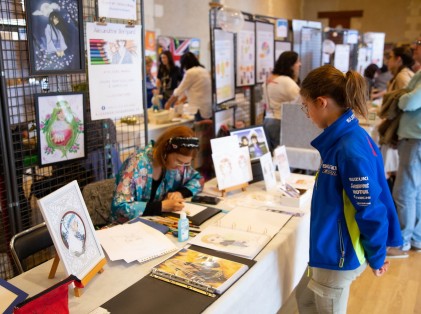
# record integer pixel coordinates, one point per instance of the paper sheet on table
(191, 209)
(135, 241)
(264, 202)
(255, 220)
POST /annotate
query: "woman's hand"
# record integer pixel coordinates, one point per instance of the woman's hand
(382, 270)
(174, 195)
(169, 205)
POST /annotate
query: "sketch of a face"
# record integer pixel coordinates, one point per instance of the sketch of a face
(242, 161)
(73, 233)
(225, 166)
(213, 238)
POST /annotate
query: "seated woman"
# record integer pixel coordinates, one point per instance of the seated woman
(157, 178)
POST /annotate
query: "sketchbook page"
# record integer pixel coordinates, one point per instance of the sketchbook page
(135, 241)
(254, 220)
(191, 209)
(232, 241)
(230, 168)
(263, 202)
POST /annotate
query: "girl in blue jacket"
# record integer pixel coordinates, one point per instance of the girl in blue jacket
(353, 217)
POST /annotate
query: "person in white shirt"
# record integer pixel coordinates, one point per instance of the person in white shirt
(280, 88)
(196, 86)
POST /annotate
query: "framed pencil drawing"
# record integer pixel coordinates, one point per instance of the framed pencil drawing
(60, 124)
(55, 36)
(71, 229)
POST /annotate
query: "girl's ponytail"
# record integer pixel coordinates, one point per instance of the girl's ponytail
(355, 93)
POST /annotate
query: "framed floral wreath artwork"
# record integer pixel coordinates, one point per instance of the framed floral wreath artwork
(60, 127)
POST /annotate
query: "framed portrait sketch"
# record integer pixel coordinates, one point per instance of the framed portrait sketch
(55, 36)
(71, 229)
(60, 120)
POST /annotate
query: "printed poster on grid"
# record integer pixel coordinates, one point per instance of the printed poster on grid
(115, 70)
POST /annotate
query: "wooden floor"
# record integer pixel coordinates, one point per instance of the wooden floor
(397, 292)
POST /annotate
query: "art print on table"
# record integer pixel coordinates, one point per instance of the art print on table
(55, 36)
(280, 158)
(71, 229)
(268, 171)
(254, 138)
(61, 129)
(232, 168)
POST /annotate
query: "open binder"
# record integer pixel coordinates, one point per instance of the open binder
(200, 217)
(158, 296)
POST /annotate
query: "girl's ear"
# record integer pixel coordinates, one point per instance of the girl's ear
(321, 102)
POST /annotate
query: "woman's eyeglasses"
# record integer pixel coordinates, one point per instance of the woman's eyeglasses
(417, 43)
(182, 164)
(304, 108)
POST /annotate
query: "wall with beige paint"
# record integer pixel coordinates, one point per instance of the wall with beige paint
(400, 20)
(190, 18)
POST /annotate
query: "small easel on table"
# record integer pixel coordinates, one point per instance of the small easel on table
(98, 269)
(241, 186)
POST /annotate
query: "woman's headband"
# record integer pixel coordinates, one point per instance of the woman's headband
(176, 143)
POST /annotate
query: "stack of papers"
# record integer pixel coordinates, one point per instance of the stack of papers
(134, 242)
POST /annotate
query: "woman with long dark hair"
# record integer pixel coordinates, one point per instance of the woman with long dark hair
(169, 75)
(280, 88)
(55, 34)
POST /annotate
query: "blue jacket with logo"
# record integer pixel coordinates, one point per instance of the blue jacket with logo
(353, 216)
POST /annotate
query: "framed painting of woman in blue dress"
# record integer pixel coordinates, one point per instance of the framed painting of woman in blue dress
(55, 36)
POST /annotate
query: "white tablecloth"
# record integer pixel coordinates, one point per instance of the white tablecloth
(263, 289)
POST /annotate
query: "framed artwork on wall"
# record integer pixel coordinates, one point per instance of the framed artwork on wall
(264, 51)
(60, 120)
(246, 55)
(55, 36)
(224, 66)
(71, 229)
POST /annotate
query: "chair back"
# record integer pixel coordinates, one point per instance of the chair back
(28, 243)
(98, 197)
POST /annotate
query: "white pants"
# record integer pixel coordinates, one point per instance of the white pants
(325, 290)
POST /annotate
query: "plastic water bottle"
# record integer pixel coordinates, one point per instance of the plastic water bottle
(183, 227)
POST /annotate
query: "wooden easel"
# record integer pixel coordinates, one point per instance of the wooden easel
(241, 186)
(98, 269)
